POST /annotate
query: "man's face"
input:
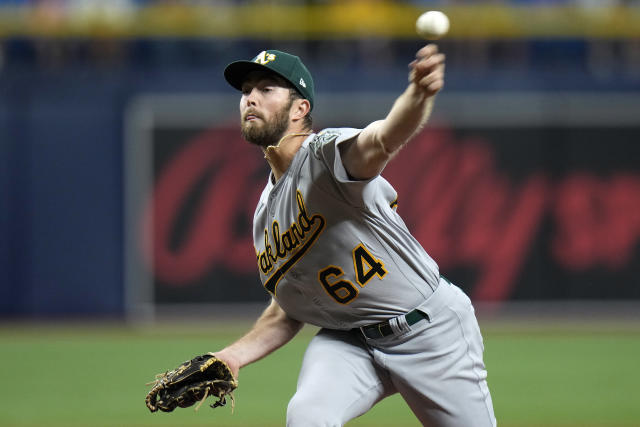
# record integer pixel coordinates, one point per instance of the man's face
(264, 108)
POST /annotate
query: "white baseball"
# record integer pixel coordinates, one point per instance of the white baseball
(432, 25)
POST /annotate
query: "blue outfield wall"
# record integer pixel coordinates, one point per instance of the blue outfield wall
(61, 233)
(61, 158)
(64, 195)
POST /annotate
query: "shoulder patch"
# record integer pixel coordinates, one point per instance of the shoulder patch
(322, 138)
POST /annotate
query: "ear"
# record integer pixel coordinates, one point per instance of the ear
(299, 109)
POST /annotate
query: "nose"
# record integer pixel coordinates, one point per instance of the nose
(250, 97)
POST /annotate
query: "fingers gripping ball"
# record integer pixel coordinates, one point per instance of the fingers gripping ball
(432, 25)
(192, 382)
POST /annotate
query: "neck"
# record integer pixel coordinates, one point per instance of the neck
(281, 155)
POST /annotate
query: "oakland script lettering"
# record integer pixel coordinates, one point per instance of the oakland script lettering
(284, 244)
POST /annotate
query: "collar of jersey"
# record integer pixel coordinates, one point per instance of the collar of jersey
(270, 182)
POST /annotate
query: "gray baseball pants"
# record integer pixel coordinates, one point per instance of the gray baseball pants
(436, 365)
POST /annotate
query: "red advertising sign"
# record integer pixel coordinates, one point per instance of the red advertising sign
(507, 212)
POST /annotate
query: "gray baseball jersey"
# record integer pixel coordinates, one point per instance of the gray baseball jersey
(333, 251)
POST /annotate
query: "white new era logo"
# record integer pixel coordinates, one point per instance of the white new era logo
(302, 83)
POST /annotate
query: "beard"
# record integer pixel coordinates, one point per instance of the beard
(267, 133)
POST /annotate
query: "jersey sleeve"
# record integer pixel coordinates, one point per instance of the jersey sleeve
(326, 147)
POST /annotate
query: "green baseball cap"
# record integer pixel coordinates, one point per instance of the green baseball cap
(287, 66)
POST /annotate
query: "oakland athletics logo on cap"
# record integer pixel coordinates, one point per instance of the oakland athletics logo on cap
(264, 57)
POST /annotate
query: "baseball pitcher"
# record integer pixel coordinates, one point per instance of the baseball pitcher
(332, 251)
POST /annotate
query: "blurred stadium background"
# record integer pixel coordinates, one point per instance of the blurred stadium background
(126, 195)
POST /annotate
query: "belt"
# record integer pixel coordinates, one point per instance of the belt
(383, 329)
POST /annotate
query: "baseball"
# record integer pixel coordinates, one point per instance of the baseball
(432, 25)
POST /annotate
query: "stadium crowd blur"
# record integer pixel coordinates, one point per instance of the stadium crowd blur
(98, 33)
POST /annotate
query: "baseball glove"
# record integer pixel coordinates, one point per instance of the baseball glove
(191, 382)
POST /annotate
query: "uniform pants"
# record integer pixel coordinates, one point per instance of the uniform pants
(436, 366)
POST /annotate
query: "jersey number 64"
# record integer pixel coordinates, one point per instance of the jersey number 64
(365, 266)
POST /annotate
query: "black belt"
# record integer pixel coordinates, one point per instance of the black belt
(383, 329)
